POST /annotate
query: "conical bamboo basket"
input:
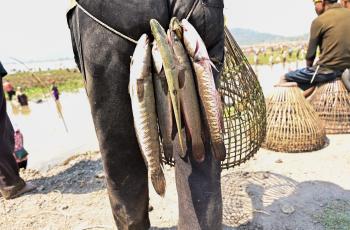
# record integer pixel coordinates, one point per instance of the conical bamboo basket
(243, 105)
(292, 123)
(331, 100)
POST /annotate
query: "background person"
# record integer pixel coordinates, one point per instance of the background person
(330, 31)
(8, 88)
(20, 154)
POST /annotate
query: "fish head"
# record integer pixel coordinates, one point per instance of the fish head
(190, 38)
(157, 29)
(175, 25)
(141, 60)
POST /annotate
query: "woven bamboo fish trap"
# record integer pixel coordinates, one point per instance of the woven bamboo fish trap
(292, 123)
(331, 100)
(243, 105)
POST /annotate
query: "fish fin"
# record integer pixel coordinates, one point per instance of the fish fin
(198, 150)
(221, 110)
(196, 49)
(213, 65)
(182, 77)
(219, 151)
(168, 151)
(140, 89)
(164, 85)
(158, 181)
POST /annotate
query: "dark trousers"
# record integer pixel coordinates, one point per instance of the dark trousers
(22, 164)
(9, 176)
(10, 94)
(104, 60)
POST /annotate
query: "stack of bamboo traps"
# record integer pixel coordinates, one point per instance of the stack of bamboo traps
(244, 106)
(332, 103)
(292, 123)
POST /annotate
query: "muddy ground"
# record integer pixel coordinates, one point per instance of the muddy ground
(272, 191)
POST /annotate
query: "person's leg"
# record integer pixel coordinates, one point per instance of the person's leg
(346, 79)
(105, 59)
(11, 184)
(198, 184)
(23, 164)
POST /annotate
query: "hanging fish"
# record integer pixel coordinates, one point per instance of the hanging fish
(171, 73)
(163, 102)
(188, 94)
(144, 112)
(209, 96)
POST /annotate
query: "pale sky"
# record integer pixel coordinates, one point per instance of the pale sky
(37, 29)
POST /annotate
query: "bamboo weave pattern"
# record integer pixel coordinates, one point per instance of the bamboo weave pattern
(332, 103)
(292, 123)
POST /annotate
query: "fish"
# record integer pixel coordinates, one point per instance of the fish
(171, 74)
(144, 112)
(163, 104)
(188, 94)
(209, 96)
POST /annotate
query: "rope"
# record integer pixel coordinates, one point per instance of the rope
(192, 9)
(106, 26)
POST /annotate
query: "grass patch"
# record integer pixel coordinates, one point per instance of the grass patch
(264, 59)
(336, 215)
(37, 84)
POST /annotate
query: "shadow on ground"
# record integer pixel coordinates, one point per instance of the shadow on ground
(73, 176)
(251, 200)
(264, 200)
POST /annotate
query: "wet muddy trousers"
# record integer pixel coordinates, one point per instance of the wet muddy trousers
(104, 60)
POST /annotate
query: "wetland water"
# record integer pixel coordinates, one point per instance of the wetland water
(46, 139)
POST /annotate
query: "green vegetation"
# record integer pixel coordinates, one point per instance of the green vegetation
(37, 84)
(336, 215)
(263, 59)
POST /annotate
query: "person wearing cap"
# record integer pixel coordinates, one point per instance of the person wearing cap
(329, 32)
(11, 184)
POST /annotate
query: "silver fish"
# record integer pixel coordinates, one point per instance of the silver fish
(208, 93)
(163, 102)
(144, 112)
(171, 73)
(188, 94)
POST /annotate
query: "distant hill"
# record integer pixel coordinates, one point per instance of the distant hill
(250, 37)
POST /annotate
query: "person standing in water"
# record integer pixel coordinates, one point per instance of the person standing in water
(20, 154)
(55, 92)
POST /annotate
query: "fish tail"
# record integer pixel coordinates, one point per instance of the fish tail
(158, 181)
(168, 150)
(219, 151)
(198, 150)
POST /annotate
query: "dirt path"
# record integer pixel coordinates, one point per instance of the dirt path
(272, 191)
